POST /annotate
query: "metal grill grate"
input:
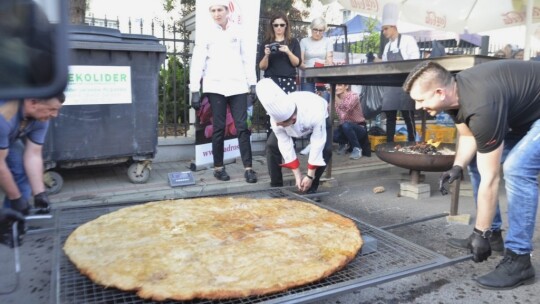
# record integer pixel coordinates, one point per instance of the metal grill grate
(394, 256)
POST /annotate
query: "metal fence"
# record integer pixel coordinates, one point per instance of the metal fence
(175, 116)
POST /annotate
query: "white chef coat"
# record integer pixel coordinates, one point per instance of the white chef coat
(408, 47)
(312, 111)
(221, 60)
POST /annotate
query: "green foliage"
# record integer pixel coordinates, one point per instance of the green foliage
(172, 91)
(270, 6)
(186, 6)
(371, 41)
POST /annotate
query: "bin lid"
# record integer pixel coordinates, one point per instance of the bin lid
(103, 38)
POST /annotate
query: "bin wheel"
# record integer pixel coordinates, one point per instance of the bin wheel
(141, 178)
(53, 182)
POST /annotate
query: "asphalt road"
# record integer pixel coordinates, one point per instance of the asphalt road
(452, 284)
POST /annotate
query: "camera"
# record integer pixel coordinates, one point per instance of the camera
(274, 47)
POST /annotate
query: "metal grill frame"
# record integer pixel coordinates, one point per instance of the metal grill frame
(394, 258)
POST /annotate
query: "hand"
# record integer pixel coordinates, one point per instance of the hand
(42, 203)
(196, 100)
(20, 205)
(480, 248)
(448, 177)
(7, 217)
(298, 178)
(306, 184)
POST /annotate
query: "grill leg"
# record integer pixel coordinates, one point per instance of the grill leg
(454, 199)
(415, 177)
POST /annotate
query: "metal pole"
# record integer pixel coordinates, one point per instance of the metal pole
(331, 112)
(484, 47)
(454, 203)
(528, 30)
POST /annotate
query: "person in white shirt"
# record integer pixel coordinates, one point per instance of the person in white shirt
(227, 71)
(317, 51)
(399, 47)
(294, 115)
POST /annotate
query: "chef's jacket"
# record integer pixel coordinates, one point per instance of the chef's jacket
(312, 111)
(221, 59)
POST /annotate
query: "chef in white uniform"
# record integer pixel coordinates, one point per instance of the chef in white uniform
(295, 115)
(399, 47)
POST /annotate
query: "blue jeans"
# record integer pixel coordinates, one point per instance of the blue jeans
(352, 133)
(14, 161)
(509, 142)
(521, 170)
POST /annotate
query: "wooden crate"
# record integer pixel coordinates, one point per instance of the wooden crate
(444, 134)
(400, 137)
(375, 140)
(440, 133)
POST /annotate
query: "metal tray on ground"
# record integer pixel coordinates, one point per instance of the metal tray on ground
(394, 258)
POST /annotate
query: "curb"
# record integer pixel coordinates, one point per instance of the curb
(158, 192)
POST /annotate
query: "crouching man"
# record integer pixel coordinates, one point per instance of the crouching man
(295, 115)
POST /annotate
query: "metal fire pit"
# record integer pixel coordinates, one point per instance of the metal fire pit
(420, 162)
(394, 258)
(416, 162)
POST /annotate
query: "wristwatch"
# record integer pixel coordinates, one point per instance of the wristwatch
(486, 234)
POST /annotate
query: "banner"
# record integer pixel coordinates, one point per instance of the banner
(244, 13)
(91, 85)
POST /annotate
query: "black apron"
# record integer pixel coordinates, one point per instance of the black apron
(395, 98)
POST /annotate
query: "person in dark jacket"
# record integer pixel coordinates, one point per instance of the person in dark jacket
(279, 55)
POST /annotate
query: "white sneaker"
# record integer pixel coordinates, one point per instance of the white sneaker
(305, 151)
(356, 153)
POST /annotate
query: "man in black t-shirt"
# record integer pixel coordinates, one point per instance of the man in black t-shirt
(488, 102)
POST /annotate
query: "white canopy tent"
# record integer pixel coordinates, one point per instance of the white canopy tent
(458, 16)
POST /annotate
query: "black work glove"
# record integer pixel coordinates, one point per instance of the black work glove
(21, 205)
(196, 100)
(7, 217)
(42, 203)
(480, 247)
(448, 177)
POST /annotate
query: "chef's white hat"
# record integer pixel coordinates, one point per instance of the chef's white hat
(274, 100)
(218, 2)
(390, 14)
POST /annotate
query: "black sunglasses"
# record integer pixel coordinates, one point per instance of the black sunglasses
(279, 24)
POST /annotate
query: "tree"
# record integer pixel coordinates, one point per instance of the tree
(186, 6)
(171, 81)
(77, 11)
(269, 6)
(370, 42)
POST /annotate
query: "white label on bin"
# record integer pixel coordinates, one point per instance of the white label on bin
(89, 85)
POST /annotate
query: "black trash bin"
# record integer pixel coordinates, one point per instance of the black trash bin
(94, 128)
